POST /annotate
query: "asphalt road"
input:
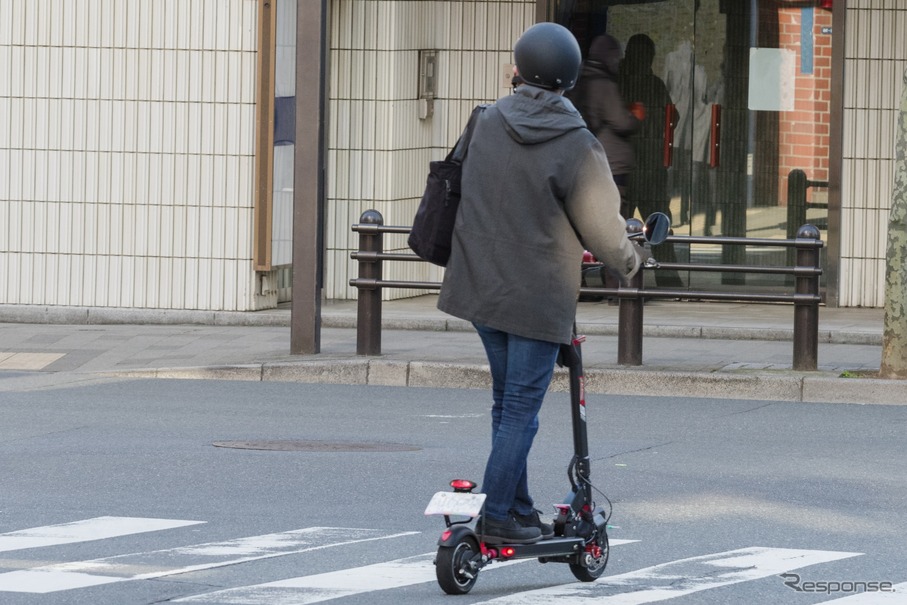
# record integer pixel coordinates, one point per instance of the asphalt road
(114, 492)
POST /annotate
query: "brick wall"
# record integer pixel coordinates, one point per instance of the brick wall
(803, 134)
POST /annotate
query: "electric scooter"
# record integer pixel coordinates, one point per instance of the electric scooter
(580, 525)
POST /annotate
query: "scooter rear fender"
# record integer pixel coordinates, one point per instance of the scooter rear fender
(454, 534)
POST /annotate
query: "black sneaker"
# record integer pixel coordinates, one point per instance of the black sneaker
(509, 531)
(533, 520)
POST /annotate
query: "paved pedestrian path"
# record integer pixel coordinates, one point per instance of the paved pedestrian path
(697, 349)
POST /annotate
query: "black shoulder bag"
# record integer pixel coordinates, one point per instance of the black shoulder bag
(432, 231)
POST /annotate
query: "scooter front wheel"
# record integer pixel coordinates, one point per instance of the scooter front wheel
(454, 566)
(594, 563)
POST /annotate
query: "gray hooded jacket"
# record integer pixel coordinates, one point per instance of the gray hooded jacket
(536, 191)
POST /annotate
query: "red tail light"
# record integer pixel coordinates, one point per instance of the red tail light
(462, 485)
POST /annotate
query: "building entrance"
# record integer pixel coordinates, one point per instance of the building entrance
(737, 97)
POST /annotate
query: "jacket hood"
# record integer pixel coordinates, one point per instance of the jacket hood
(605, 51)
(534, 115)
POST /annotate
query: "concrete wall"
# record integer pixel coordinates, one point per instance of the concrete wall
(126, 153)
(126, 140)
(379, 148)
(876, 57)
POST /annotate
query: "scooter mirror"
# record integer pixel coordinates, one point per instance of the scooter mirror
(657, 228)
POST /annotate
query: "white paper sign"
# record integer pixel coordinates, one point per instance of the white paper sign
(455, 503)
(773, 79)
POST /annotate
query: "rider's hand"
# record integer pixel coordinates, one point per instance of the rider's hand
(645, 256)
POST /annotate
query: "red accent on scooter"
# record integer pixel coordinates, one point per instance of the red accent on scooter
(508, 551)
(462, 485)
(446, 536)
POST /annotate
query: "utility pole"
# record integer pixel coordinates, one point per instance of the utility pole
(309, 177)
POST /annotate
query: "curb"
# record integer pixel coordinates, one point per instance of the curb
(797, 387)
(37, 314)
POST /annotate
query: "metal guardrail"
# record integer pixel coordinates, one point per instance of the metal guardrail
(797, 186)
(805, 297)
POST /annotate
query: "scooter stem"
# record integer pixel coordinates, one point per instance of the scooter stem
(571, 357)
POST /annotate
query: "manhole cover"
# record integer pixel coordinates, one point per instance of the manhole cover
(293, 445)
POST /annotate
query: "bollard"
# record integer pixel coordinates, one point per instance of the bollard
(806, 311)
(629, 330)
(368, 318)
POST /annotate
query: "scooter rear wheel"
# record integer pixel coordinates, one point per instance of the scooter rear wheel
(452, 566)
(596, 567)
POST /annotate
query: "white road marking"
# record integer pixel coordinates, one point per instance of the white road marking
(895, 596)
(303, 590)
(327, 586)
(677, 578)
(27, 361)
(87, 530)
(160, 563)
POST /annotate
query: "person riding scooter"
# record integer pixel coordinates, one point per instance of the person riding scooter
(537, 187)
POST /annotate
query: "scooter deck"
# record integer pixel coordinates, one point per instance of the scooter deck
(552, 547)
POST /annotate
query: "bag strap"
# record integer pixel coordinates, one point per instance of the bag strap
(458, 153)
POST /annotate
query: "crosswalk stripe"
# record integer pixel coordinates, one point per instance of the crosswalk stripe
(160, 563)
(677, 578)
(27, 361)
(895, 596)
(317, 588)
(324, 587)
(87, 530)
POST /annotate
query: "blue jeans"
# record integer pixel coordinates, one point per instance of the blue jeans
(521, 370)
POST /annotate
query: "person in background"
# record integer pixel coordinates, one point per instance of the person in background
(536, 191)
(598, 99)
(648, 184)
(649, 181)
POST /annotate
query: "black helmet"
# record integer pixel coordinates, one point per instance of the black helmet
(547, 55)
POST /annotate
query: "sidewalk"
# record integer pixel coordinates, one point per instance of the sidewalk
(689, 349)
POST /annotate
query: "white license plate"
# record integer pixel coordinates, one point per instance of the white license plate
(455, 504)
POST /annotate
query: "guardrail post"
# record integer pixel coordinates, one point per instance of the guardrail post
(368, 316)
(806, 312)
(629, 329)
(797, 186)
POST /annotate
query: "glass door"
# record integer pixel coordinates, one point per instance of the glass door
(734, 117)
